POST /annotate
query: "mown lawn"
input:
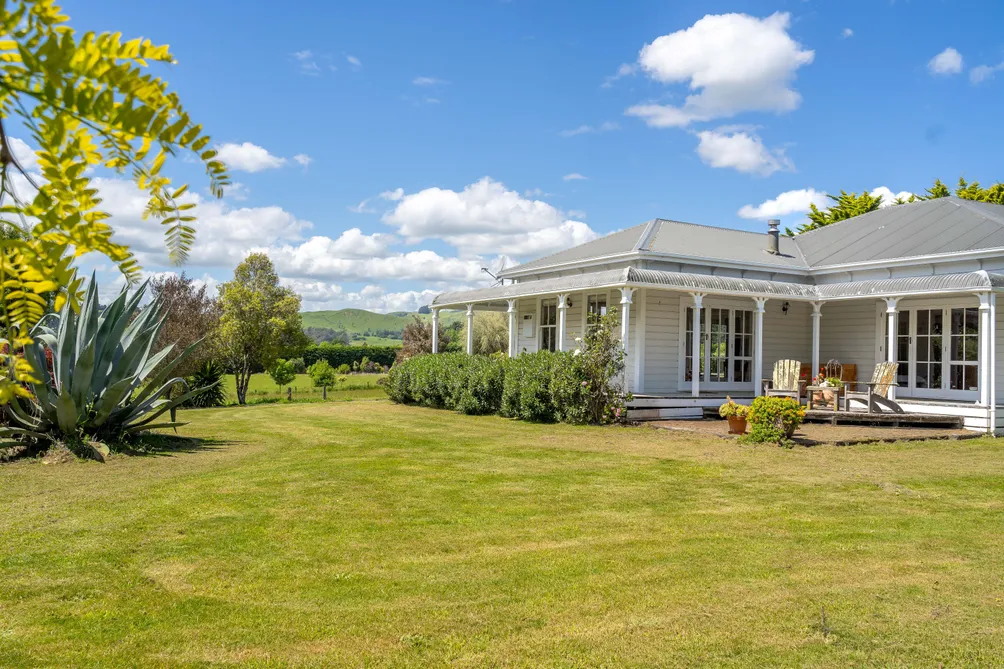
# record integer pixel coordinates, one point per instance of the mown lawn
(349, 386)
(368, 534)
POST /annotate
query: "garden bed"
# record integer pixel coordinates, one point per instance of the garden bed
(812, 434)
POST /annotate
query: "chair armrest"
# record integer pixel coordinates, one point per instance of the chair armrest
(873, 384)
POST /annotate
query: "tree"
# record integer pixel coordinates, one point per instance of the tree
(847, 205)
(283, 372)
(86, 102)
(417, 338)
(192, 314)
(259, 320)
(491, 332)
(936, 190)
(322, 374)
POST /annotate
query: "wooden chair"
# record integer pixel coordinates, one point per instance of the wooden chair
(876, 397)
(786, 381)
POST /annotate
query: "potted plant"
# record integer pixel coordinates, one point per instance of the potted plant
(736, 415)
(832, 387)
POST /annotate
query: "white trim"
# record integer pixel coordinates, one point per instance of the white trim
(639, 347)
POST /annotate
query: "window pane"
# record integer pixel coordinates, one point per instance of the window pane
(923, 343)
(958, 317)
(903, 324)
(957, 348)
(972, 376)
(923, 322)
(936, 349)
(937, 325)
(935, 376)
(972, 321)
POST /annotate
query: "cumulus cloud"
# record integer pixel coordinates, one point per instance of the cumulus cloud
(785, 204)
(319, 295)
(740, 150)
(248, 157)
(625, 70)
(889, 197)
(946, 63)
(23, 153)
(365, 207)
(981, 73)
(606, 126)
(485, 217)
(313, 260)
(574, 176)
(733, 62)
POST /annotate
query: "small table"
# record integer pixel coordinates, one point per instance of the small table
(837, 394)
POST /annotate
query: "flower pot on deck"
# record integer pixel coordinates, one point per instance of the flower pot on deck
(737, 425)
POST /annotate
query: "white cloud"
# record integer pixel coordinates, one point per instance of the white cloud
(248, 157)
(981, 73)
(314, 259)
(23, 153)
(606, 126)
(847, 32)
(236, 191)
(353, 61)
(364, 207)
(303, 159)
(535, 192)
(319, 295)
(576, 213)
(625, 70)
(888, 197)
(428, 81)
(485, 217)
(223, 232)
(734, 62)
(740, 150)
(574, 176)
(947, 63)
(307, 62)
(785, 204)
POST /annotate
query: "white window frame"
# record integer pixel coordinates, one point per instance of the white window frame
(541, 326)
(731, 307)
(910, 390)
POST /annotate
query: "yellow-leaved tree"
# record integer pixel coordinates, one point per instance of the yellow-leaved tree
(88, 101)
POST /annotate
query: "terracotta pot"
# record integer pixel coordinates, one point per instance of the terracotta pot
(737, 425)
(823, 396)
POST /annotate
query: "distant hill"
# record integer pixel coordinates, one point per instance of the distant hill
(368, 325)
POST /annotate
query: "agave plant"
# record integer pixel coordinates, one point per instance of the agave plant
(101, 383)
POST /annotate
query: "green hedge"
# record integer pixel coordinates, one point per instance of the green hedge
(346, 355)
(542, 387)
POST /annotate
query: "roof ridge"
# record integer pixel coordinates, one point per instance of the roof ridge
(592, 241)
(875, 211)
(962, 202)
(646, 236)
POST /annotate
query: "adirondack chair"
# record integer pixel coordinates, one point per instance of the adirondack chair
(786, 382)
(876, 396)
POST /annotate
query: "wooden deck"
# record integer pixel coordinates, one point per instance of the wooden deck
(883, 418)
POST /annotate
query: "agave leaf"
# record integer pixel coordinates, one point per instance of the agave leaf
(167, 405)
(35, 355)
(18, 414)
(111, 399)
(18, 431)
(66, 413)
(155, 426)
(65, 346)
(158, 381)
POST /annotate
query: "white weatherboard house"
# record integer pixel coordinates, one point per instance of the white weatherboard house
(913, 283)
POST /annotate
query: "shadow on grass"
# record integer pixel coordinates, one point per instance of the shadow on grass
(170, 444)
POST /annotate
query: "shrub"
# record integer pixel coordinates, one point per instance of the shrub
(322, 374)
(299, 366)
(579, 387)
(208, 376)
(773, 420)
(282, 372)
(338, 355)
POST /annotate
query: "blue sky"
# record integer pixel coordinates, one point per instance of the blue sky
(433, 98)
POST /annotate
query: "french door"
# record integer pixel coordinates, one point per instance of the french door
(725, 350)
(938, 352)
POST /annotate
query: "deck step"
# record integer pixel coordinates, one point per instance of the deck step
(675, 413)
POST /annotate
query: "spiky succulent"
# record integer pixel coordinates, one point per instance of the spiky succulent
(101, 383)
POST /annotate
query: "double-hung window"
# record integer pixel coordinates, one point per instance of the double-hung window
(548, 324)
(596, 306)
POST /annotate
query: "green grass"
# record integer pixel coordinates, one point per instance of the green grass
(351, 386)
(368, 534)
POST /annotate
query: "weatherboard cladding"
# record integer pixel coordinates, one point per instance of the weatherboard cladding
(682, 281)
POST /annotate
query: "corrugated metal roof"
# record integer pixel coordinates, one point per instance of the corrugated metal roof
(924, 228)
(935, 283)
(623, 241)
(928, 227)
(705, 241)
(687, 282)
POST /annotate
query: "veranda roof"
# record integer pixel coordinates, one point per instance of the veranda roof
(723, 285)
